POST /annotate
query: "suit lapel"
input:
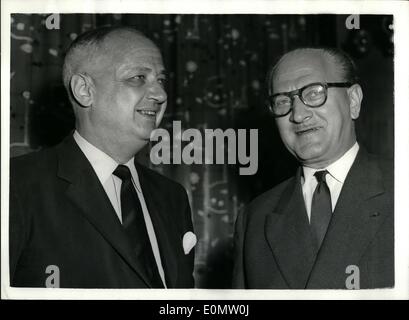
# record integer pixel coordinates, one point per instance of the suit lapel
(359, 212)
(87, 193)
(288, 234)
(163, 226)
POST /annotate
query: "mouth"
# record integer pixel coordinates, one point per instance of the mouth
(306, 131)
(150, 114)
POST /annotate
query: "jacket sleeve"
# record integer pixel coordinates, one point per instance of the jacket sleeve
(17, 231)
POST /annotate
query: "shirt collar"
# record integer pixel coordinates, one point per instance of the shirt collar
(338, 169)
(102, 163)
(131, 165)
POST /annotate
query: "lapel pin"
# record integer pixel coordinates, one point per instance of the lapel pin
(189, 241)
(375, 214)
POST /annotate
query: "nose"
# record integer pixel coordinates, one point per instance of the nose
(157, 93)
(300, 112)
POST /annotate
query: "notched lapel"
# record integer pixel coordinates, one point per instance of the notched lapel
(360, 210)
(86, 192)
(289, 236)
(163, 226)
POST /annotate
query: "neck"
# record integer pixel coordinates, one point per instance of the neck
(325, 163)
(121, 151)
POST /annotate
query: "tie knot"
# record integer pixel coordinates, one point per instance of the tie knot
(320, 175)
(122, 172)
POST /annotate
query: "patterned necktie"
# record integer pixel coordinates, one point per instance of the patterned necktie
(321, 208)
(133, 223)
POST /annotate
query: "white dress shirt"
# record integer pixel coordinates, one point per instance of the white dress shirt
(104, 166)
(338, 172)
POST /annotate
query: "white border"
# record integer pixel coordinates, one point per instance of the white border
(400, 10)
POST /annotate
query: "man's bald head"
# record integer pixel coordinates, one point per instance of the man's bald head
(343, 64)
(115, 79)
(85, 53)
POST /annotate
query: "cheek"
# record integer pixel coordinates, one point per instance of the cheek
(126, 99)
(337, 111)
(285, 130)
(335, 120)
(106, 101)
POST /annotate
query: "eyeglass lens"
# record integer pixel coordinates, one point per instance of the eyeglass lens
(313, 96)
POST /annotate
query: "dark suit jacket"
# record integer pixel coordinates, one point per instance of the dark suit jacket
(60, 215)
(273, 243)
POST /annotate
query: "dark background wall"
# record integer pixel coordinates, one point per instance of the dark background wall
(217, 66)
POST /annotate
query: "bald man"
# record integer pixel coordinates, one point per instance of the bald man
(85, 214)
(331, 225)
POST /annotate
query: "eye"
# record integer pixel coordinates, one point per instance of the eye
(138, 77)
(281, 100)
(137, 80)
(162, 81)
(315, 92)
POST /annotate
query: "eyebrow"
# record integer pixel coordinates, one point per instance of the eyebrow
(146, 69)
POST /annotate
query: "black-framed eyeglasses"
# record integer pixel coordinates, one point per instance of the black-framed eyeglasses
(313, 95)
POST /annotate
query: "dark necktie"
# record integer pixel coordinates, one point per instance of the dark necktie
(133, 223)
(321, 209)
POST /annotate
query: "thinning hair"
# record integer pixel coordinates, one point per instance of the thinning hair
(84, 49)
(340, 58)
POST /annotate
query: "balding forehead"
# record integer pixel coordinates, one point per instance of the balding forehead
(302, 63)
(124, 41)
(288, 73)
(123, 46)
(127, 37)
(302, 60)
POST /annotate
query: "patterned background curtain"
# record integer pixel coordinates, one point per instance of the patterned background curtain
(217, 67)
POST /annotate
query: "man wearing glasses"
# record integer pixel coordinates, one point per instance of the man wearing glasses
(331, 225)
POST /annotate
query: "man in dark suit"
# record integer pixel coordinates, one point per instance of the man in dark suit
(331, 225)
(85, 214)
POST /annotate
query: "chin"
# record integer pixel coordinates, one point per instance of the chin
(310, 154)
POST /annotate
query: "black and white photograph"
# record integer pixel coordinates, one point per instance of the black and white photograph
(198, 150)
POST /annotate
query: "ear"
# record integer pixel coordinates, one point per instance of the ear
(355, 98)
(82, 89)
